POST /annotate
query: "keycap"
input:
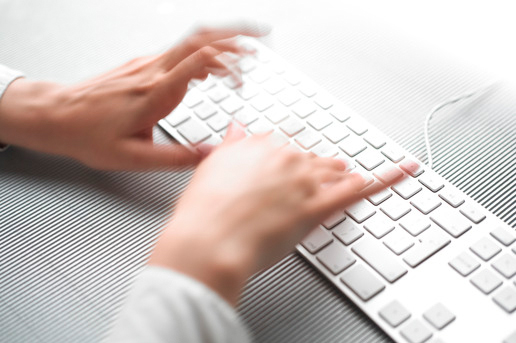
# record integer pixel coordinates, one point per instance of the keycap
(352, 145)
(398, 241)
(450, 220)
(231, 82)
(207, 84)
(416, 332)
(317, 239)
(356, 125)
(213, 140)
(347, 232)
(428, 243)
(431, 182)
(324, 100)
(506, 265)
(231, 104)
(308, 138)
(472, 213)
(360, 211)
(336, 258)
(387, 173)
(292, 77)
(246, 116)
(261, 102)
(261, 126)
(379, 225)
(362, 282)
(205, 110)
(217, 94)
(320, 120)
(411, 167)
(179, 115)
(374, 139)
(192, 98)
(247, 64)
(341, 112)
(260, 75)
(503, 236)
(439, 316)
(414, 223)
(378, 198)
(307, 88)
(395, 207)
(278, 67)
(247, 91)
(278, 139)
(464, 264)
(506, 298)
(370, 159)
(406, 188)
(367, 178)
(511, 338)
(193, 132)
(291, 126)
(425, 202)
(379, 258)
(325, 149)
(485, 248)
(394, 313)
(274, 85)
(303, 108)
(336, 132)
(276, 114)
(350, 164)
(486, 281)
(218, 122)
(393, 153)
(334, 219)
(451, 196)
(289, 96)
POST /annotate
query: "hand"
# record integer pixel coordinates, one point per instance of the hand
(247, 205)
(107, 122)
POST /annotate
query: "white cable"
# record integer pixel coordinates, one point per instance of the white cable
(441, 106)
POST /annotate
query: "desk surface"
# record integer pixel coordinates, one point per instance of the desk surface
(72, 239)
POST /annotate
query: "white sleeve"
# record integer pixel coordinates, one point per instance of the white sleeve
(7, 76)
(166, 306)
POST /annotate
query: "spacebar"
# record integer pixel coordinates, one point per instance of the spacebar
(381, 259)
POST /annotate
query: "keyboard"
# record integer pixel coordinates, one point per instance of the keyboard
(423, 260)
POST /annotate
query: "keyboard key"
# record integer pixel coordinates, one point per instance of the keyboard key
(388, 173)
(218, 122)
(506, 298)
(217, 94)
(486, 281)
(193, 132)
(416, 332)
(205, 110)
(395, 207)
(261, 126)
(349, 162)
(292, 77)
(276, 114)
(179, 115)
(289, 97)
(231, 82)
(425, 202)
(503, 236)
(334, 219)
(246, 116)
(260, 75)
(452, 197)
(247, 91)
(393, 153)
(472, 213)
(362, 282)
(511, 338)
(274, 85)
(192, 98)
(356, 125)
(374, 139)
(370, 159)
(320, 120)
(379, 225)
(291, 126)
(464, 264)
(336, 258)
(431, 182)
(429, 243)
(347, 232)
(207, 84)
(485, 248)
(341, 112)
(450, 221)
(398, 241)
(394, 313)
(231, 104)
(308, 88)
(303, 108)
(368, 179)
(308, 138)
(247, 64)
(406, 188)
(352, 145)
(379, 258)
(439, 316)
(325, 149)
(360, 211)
(336, 132)
(414, 223)
(324, 100)
(317, 239)
(506, 265)
(261, 102)
(378, 198)
(412, 167)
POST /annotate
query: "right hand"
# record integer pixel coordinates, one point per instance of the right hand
(247, 205)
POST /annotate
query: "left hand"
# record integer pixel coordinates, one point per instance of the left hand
(107, 122)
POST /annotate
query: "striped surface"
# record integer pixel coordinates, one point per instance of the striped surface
(72, 239)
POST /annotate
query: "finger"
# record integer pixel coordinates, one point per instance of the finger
(235, 132)
(329, 162)
(144, 156)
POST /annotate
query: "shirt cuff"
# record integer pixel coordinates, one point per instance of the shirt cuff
(7, 76)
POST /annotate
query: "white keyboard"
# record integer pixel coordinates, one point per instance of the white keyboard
(421, 259)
